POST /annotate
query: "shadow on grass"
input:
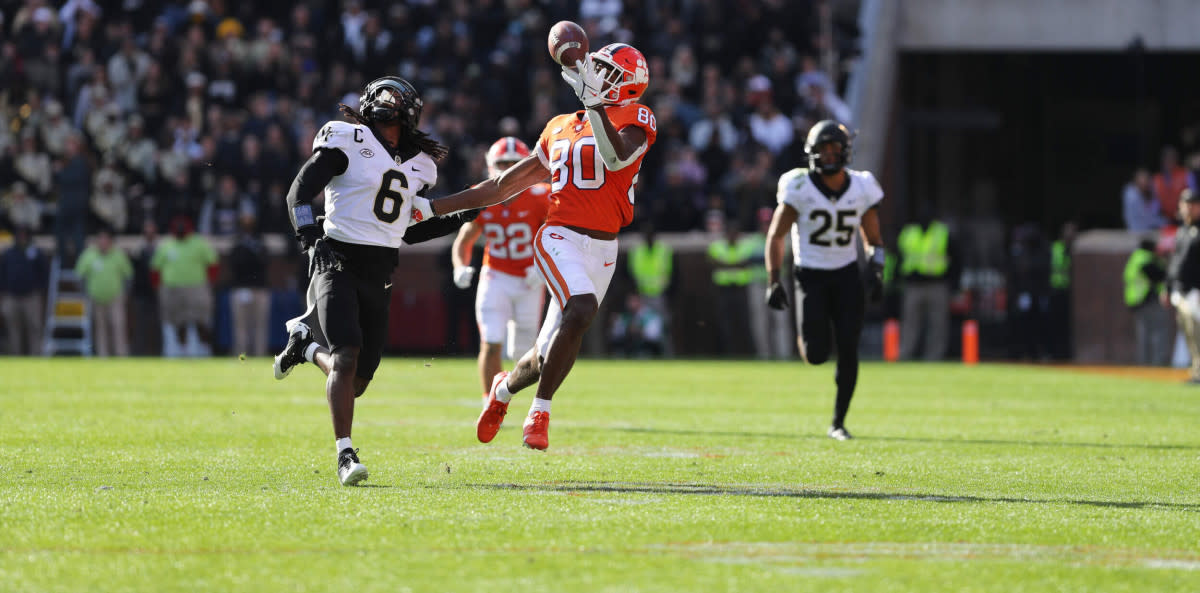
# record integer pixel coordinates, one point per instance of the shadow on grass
(770, 492)
(785, 435)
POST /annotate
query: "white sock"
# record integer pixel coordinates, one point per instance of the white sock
(311, 351)
(344, 443)
(540, 405)
(503, 395)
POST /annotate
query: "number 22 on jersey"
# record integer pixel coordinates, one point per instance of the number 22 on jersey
(511, 241)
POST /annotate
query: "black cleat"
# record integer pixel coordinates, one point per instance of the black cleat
(350, 471)
(299, 337)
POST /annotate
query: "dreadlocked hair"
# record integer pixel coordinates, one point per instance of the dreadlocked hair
(413, 137)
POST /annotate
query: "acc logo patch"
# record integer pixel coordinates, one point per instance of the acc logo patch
(555, 236)
(367, 153)
(417, 216)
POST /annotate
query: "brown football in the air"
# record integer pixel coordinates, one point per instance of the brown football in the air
(567, 43)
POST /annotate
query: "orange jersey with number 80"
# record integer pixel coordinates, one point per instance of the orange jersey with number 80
(584, 193)
(509, 226)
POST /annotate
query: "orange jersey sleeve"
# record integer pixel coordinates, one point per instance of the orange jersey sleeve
(583, 192)
(508, 228)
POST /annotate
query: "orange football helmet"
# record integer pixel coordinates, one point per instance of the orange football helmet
(508, 150)
(625, 70)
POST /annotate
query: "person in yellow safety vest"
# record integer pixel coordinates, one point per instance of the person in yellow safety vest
(1059, 330)
(1144, 276)
(928, 270)
(731, 274)
(651, 267)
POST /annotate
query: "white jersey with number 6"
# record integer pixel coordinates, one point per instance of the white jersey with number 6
(371, 203)
(823, 236)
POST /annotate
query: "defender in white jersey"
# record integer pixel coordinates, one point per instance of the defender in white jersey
(374, 172)
(823, 206)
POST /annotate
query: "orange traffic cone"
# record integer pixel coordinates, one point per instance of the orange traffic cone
(970, 341)
(891, 340)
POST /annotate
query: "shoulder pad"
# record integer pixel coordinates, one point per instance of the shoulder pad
(334, 134)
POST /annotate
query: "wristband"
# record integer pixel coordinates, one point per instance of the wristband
(304, 215)
(878, 255)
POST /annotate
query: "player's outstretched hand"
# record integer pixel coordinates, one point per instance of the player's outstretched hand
(875, 283)
(463, 275)
(585, 81)
(776, 296)
(322, 258)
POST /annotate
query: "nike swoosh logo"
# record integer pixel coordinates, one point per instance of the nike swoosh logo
(609, 263)
(387, 286)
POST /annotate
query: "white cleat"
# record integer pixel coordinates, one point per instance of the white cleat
(350, 471)
(299, 337)
(839, 433)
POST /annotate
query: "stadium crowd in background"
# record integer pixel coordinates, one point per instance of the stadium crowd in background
(119, 113)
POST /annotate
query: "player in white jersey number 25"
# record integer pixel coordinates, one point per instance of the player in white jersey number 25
(823, 206)
(374, 171)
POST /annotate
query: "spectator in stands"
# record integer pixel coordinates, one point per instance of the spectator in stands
(714, 138)
(55, 130)
(23, 276)
(771, 128)
(1141, 210)
(108, 199)
(106, 273)
(1169, 181)
(221, 210)
(73, 178)
(249, 298)
(185, 263)
(20, 210)
(34, 166)
(637, 331)
(126, 70)
(769, 328)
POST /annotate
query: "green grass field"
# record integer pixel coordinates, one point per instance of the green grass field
(152, 475)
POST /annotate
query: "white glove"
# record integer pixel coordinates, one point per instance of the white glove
(533, 278)
(463, 275)
(586, 82)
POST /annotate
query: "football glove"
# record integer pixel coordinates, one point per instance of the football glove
(463, 275)
(308, 235)
(322, 258)
(874, 282)
(777, 296)
(586, 82)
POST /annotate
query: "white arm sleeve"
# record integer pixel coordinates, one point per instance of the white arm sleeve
(607, 151)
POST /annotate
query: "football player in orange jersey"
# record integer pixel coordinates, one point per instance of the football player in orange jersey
(593, 157)
(511, 291)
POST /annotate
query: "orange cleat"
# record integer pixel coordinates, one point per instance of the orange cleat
(493, 413)
(537, 428)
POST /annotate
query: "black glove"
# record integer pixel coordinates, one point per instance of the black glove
(322, 258)
(777, 296)
(875, 283)
(308, 235)
(469, 215)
